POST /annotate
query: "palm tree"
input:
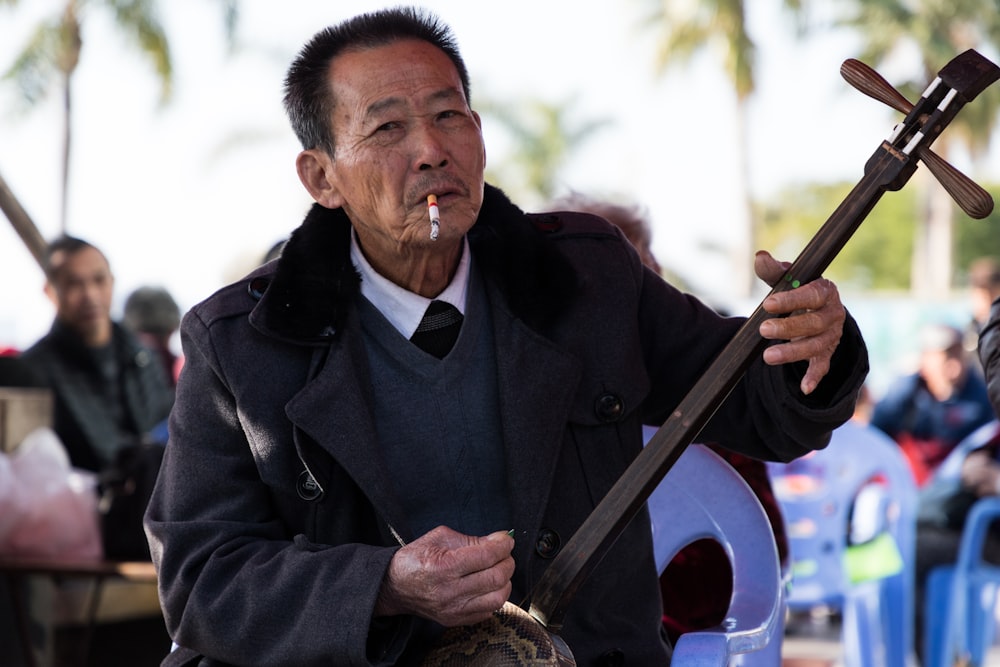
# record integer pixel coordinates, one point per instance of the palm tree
(50, 58)
(937, 31)
(687, 28)
(543, 136)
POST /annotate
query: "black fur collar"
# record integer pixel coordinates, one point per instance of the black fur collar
(315, 283)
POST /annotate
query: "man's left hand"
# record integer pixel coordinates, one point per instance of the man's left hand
(813, 324)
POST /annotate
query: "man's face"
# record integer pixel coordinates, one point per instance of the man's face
(982, 298)
(402, 130)
(944, 371)
(81, 291)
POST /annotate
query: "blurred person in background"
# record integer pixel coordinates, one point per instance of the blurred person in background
(984, 288)
(110, 390)
(928, 412)
(632, 219)
(154, 317)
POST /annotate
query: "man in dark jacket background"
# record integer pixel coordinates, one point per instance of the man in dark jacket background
(336, 491)
(110, 391)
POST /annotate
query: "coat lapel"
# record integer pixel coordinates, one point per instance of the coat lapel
(537, 383)
(346, 431)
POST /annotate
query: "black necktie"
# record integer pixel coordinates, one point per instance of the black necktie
(438, 329)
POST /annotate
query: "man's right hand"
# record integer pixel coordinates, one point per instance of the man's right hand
(448, 577)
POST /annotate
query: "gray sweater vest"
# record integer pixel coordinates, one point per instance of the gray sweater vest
(438, 422)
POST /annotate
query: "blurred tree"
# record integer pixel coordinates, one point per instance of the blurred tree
(51, 55)
(928, 34)
(687, 28)
(540, 138)
(877, 257)
(977, 238)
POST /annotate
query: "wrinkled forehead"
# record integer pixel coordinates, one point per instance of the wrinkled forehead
(383, 71)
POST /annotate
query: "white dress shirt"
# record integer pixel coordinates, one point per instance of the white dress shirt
(404, 309)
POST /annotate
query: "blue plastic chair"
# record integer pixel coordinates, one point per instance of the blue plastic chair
(961, 598)
(703, 497)
(859, 487)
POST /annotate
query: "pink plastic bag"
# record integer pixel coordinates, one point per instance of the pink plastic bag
(48, 509)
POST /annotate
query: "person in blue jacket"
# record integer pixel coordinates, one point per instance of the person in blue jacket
(930, 411)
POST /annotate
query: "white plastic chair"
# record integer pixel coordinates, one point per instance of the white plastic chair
(704, 497)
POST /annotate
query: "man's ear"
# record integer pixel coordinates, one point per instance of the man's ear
(50, 292)
(479, 122)
(315, 168)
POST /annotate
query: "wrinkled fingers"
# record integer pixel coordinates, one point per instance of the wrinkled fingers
(818, 294)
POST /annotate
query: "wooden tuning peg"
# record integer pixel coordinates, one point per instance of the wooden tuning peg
(871, 83)
(970, 197)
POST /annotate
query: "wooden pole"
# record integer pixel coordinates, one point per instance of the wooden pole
(23, 224)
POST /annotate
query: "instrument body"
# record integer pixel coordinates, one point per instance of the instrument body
(510, 638)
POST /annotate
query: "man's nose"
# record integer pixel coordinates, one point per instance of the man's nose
(91, 292)
(431, 149)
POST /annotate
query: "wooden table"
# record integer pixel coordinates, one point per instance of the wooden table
(15, 570)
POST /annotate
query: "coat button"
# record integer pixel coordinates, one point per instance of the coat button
(257, 287)
(548, 543)
(613, 658)
(609, 407)
(307, 487)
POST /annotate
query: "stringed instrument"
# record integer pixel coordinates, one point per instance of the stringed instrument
(518, 636)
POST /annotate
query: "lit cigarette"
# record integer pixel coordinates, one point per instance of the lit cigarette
(435, 215)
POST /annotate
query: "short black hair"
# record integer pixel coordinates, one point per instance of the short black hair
(68, 245)
(308, 98)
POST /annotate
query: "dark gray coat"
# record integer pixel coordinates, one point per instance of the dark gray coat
(270, 524)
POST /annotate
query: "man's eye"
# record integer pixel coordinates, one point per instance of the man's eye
(387, 127)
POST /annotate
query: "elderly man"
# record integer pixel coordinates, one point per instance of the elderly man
(335, 494)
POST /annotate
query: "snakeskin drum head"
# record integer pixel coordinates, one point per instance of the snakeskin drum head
(510, 638)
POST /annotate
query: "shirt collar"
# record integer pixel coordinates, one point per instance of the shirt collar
(402, 308)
